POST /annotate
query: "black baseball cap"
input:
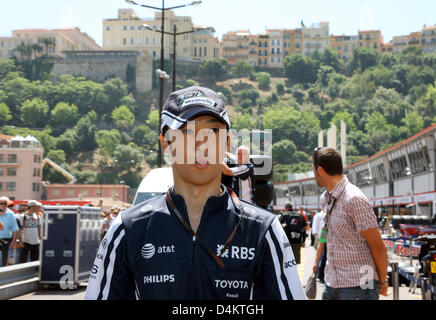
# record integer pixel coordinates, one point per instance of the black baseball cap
(188, 103)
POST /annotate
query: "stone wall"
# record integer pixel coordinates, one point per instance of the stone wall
(101, 65)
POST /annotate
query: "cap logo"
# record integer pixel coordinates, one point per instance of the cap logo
(199, 101)
(188, 95)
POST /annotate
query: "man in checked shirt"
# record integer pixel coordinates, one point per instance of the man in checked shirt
(357, 262)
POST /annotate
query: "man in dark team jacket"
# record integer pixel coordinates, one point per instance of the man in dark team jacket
(197, 241)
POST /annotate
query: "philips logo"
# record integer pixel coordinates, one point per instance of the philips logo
(148, 251)
(240, 253)
(161, 278)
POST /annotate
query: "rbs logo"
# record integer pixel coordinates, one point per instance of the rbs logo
(240, 253)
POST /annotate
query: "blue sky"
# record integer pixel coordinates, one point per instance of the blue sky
(393, 17)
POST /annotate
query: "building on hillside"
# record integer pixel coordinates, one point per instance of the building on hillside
(343, 45)
(428, 39)
(127, 32)
(20, 167)
(370, 39)
(399, 43)
(236, 46)
(62, 40)
(275, 47)
(387, 47)
(292, 41)
(315, 38)
(263, 50)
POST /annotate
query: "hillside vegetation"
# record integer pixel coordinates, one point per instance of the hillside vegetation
(107, 133)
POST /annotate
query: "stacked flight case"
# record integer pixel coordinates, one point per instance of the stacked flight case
(70, 237)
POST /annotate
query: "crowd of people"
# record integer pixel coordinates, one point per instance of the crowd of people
(20, 232)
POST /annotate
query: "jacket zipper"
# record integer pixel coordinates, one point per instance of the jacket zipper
(193, 248)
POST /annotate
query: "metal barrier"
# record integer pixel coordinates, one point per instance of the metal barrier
(19, 279)
(425, 283)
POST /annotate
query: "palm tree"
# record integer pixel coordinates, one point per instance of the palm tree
(36, 48)
(47, 42)
(21, 49)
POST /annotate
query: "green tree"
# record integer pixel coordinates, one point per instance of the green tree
(153, 120)
(6, 66)
(299, 69)
(107, 141)
(242, 69)
(331, 59)
(127, 156)
(64, 115)
(244, 121)
(85, 131)
(263, 80)
(214, 69)
(362, 59)
(280, 86)
(284, 151)
(57, 156)
(413, 123)
(347, 118)
(34, 112)
(67, 142)
(114, 89)
(123, 117)
(5, 113)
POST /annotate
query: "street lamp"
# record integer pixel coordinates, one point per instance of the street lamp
(163, 9)
(174, 34)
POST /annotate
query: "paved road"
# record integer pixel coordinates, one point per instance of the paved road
(304, 270)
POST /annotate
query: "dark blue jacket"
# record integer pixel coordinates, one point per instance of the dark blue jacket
(148, 254)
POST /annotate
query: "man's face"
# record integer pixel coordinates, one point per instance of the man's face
(198, 149)
(3, 206)
(318, 177)
(33, 209)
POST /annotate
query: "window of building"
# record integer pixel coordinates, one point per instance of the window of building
(108, 28)
(35, 187)
(132, 41)
(195, 51)
(124, 28)
(132, 28)
(419, 160)
(1, 171)
(124, 41)
(2, 158)
(297, 45)
(199, 50)
(205, 51)
(310, 189)
(12, 158)
(379, 173)
(294, 191)
(154, 54)
(272, 59)
(140, 27)
(1, 186)
(399, 168)
(11, 186)
(363, 178)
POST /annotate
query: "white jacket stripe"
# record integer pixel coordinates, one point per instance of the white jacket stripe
(290, 271)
